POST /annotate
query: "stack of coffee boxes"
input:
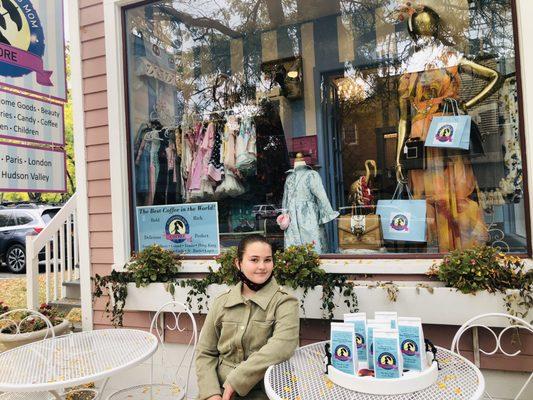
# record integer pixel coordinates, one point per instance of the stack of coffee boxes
(387, 345)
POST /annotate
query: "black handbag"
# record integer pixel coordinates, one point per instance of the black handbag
(413, 155)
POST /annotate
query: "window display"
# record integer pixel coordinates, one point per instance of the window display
(299, 118)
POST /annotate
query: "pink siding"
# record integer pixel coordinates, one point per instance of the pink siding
(99, 197)
(97, 142)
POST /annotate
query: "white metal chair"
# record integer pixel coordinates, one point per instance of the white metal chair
(9, 319)
(178, 386)
(477, 322)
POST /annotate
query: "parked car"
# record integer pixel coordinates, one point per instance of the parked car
(265, 211)
(15, 224)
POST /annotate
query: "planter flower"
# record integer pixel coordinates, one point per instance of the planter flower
(19, 327)
(486, 268)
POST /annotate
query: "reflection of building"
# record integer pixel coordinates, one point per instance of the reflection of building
(350, 101)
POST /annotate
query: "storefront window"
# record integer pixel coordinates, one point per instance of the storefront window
(364, 127)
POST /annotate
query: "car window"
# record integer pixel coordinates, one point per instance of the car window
(4, 218)
(8, 219)
(256, 208)
(48, 214)
(270, 208)
(22, 218)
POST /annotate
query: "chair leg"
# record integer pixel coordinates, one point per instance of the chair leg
(101, 391)
(524, 387)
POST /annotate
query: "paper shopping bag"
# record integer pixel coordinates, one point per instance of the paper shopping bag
(403, 220)
(450, 131)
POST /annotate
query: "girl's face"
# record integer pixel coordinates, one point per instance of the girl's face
(257, 262)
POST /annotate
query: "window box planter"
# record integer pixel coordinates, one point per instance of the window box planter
(445, 306)
(10, 341)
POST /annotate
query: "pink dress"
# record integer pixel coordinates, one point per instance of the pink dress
(200, 186)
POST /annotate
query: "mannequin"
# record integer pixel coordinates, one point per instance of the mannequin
(299, 161)
(308, 207)
(454, 218)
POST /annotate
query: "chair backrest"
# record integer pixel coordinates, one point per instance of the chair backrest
(9, 319)
(175, 310)
(482, 321)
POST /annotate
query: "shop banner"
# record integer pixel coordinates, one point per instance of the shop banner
(27, 119)
(32, 47)
(31, 169)
(189, 229)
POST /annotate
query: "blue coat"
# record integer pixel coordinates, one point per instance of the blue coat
(308, 206)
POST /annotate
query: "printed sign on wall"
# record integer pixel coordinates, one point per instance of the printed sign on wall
(32, 46)
(31, 169)
(190, 229)
(27, 119)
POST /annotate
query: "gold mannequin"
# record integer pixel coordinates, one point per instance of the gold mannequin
(425, 24)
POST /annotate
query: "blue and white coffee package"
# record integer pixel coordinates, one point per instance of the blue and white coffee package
(391, 316)
(387, 355)
(343, 348)
(359, 323)
(412, 344)
(371, 325)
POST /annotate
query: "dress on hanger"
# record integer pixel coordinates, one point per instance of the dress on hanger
(454, 218)
(245, 148)
(154, 164)
(202, 188)
(215, 169)
(142, 167)
(230, 186)
(308, 207)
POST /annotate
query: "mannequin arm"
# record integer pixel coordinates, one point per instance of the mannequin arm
(484, 72)
(402, 135)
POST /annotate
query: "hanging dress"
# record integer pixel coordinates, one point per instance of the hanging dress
(230, 186)
(454, 218)
(308, 206)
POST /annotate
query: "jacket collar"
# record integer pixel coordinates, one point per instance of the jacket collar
(261, 298)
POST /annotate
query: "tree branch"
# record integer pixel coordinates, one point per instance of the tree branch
(202, 22)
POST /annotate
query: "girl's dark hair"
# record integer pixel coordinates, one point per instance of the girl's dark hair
(241, 248)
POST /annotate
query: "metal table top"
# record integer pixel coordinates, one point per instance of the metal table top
(302, 378)
(73, 359)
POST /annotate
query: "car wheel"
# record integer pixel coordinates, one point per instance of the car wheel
(16, 259)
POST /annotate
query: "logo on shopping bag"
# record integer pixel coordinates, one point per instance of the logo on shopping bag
(22, 41)
(400, 223)
(409, 347)
(343, 353)
(177, 229)
(387, 361)
(359, 341)
(445, 133)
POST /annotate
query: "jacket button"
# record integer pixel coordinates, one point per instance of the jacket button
(242, 327)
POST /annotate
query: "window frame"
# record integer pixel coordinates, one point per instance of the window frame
(124, 5)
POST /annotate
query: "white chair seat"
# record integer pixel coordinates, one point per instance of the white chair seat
(150, 392)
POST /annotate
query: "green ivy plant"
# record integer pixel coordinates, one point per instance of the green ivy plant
(295, 267)
(487, 268)
(152, 264)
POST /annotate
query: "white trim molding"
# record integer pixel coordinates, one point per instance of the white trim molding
(82, 205)
(524, 10)
(118, 155)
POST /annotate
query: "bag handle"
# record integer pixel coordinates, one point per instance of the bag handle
(453, 102)
(399, 190)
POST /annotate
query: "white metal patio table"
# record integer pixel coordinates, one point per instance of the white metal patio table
(66, 361)
(302, 378)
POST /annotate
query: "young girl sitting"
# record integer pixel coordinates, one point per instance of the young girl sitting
(252, 326)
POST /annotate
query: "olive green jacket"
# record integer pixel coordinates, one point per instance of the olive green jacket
(241, 338)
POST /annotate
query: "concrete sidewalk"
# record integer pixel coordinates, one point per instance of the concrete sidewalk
(500, 384)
